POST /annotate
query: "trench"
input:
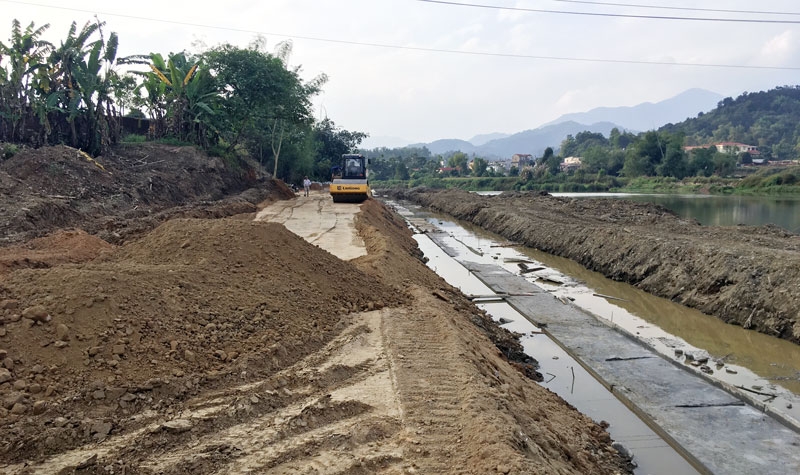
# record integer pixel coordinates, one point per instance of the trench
(465, 258)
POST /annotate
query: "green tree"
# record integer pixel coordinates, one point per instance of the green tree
(701, 161)
(263, 102)
(724, 163)
(550, 161)
(569, 146)
(642, 157)
(460, 162)
(85, 80)
(400, 171)
(332, 143)
(595, 159)
(22, 71)
(620, 140)
(674, 163)
(479, 166)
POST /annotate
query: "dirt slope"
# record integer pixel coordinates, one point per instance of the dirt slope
(123, 194)
(744, 275)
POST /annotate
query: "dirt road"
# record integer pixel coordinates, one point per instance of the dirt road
(320, 221)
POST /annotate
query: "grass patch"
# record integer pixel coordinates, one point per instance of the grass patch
(133, 138)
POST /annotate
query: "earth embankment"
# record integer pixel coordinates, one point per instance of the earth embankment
(743, 275)
(125, 193)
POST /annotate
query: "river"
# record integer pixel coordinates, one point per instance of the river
(729, 210)
(716, 210)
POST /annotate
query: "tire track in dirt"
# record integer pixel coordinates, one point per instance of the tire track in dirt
(434, 386)
(332, 411)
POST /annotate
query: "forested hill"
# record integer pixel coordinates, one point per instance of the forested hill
(767, 119)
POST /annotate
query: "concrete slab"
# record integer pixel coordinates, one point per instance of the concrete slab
(318, 220)
(719, 429)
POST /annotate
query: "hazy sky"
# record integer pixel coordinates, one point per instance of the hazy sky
(411, 92)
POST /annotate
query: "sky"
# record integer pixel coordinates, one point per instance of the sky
(418, 71)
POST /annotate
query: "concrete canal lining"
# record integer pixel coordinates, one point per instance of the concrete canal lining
(713, 427)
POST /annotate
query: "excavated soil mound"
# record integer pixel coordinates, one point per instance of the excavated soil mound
(123, 194)
(192, 305)
(744, 275)
(58, 248)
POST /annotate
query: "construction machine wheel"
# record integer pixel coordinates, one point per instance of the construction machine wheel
(349, 198)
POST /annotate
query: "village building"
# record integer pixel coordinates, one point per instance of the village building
(521, 160)
(734, 148)
(570, 164)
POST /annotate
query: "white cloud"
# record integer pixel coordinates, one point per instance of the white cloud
(781, 49)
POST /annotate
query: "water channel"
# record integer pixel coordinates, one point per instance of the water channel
(745, 361)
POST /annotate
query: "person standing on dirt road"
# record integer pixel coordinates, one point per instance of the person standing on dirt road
(306, 185)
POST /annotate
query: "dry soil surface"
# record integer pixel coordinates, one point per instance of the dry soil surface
(744, 275)
(229, 345)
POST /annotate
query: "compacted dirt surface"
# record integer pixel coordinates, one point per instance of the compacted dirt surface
(744, 275)
(161, 343)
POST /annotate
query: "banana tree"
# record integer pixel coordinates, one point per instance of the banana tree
(69, 64)
(189, 94)
(22, 62)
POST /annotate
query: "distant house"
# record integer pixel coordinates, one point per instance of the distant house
(570, 164)
(521, 160)
(447, 170)
(736, 148)
(498, 167)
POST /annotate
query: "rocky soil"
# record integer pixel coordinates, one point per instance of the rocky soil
(743, 275)
(135, 340)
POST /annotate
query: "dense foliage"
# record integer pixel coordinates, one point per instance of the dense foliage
(228, 100)
(767, 119)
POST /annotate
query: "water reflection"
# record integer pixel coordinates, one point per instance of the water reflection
(772, 358)
(720, 210)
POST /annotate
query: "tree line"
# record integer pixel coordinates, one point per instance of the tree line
(227, 99)
(766, 119)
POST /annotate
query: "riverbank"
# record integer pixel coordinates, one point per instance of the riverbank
(768, 181)
(743, 275)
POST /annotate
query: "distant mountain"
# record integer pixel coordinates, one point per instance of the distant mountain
(479, 140)
(448, 145)
(388, 142)
(535, 141)
(649, 116)
(646, 116)
(530, 141)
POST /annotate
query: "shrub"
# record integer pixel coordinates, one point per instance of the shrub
(8, 150)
